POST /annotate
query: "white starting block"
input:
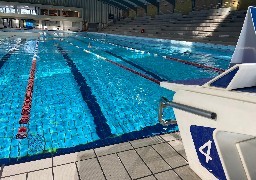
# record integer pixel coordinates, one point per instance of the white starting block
(217, 121)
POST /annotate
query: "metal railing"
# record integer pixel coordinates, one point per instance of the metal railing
(164, 102)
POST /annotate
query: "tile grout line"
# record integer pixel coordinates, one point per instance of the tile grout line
(1, 171)
(27, 172)
(148, 144)
(180, 166)
(166, 162)
(128, 149)
(143, 160)
(77, 171)
(99, 164)
(123, 165)
(89, 158)
(144, 177)
(174, 149)
(106, 154)
(163, 171)
(114, 153)
(52, 169)
(174, 170)
(75, 161)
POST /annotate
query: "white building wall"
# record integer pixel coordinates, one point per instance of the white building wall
(93, 11)
(1, 24)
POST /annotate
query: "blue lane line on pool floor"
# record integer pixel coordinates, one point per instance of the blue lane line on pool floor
(198, 65)
(102, 128)
(137, 66)
(7, 56)
(155, 76)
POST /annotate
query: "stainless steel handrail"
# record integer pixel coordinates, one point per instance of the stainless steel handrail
(164, 102)
(162, 105)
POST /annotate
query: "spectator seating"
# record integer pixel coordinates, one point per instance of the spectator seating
(220, 26)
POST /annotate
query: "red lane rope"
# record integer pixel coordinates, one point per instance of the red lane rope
(135, 72)
(28, 96)
(25, 112)
(219, 70)
(126, 68)
(195, 64)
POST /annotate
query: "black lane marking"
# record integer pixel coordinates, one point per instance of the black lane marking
(198, 65)
(132, 70)
(135, 72)
(155, 76)
(8, 55)
(102, 128)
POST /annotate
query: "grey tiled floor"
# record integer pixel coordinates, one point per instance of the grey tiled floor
(160, 157)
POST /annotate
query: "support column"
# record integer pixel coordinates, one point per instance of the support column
(16, 10)
(184, 6)
(152, 10)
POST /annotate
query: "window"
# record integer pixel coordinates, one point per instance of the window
(44, 12)
(33, 12)
(25, 11)
(75, 24)
(10, 10)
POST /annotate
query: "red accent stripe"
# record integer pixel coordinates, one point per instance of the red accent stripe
(184, 61)
(25, 113)
(135, 72)
(195, 64)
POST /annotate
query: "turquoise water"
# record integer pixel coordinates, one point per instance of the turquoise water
(82, 98)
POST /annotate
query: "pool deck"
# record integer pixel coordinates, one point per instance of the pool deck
(160, 157)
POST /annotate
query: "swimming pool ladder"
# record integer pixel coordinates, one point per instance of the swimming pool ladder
(164, 102)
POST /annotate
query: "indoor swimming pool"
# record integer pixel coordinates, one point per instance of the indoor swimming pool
(91, 90)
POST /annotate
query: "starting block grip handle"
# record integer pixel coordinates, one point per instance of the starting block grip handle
(190, 109)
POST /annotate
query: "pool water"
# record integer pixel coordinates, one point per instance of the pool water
(87, 96)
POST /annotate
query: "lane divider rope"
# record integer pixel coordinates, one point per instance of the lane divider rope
(25, 112)
(198, 65)
(187, 53)
(119, 65)
(219, 70)
(153, 75)
(124, 67)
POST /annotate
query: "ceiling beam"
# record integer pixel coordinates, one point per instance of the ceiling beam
(125, 3)
(153, 2)
(119, 6)
(139, 3)
(171, 2)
